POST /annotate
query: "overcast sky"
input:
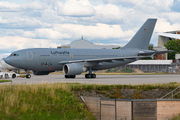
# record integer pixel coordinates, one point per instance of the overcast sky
(50, 23)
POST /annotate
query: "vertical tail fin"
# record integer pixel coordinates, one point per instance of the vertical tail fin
(142, 37)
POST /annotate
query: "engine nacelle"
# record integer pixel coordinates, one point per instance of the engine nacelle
(73, 69)
(40, 72)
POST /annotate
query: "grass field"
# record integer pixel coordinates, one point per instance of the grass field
(59, 100)
(40, 102)
(146, 87)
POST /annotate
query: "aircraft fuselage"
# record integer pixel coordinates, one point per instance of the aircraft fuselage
(48, 59)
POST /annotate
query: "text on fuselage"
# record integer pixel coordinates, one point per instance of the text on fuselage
(57, 52)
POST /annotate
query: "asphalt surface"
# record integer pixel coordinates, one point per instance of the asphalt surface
(101, 79)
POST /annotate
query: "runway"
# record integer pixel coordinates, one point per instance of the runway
(101, 79)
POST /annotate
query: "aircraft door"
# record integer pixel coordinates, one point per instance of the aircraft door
(29, 56)
(29, 59)
(124, 54)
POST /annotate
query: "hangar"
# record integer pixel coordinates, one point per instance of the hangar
(84, 44)
(150, 66)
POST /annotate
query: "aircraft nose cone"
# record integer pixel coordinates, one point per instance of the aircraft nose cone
(7, 60)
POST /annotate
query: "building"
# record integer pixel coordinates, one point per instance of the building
(161, 56)
(151, 66)
(161, 41)
(84, 44)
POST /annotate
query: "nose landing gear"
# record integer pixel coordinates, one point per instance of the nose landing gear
(28, 75)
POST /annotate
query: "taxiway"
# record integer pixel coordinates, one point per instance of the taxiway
(101, 79)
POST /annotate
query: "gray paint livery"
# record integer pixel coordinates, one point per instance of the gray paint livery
(75, 61)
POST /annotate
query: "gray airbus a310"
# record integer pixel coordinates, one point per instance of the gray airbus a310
(73, 62)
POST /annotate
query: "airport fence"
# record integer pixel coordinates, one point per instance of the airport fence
(142, 109)
(132, 109)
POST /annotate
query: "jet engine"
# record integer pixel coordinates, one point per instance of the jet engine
(41, 72)
(73, 69)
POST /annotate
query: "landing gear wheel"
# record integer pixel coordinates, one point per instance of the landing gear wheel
(6, 76)
(88, 76)
(93, 76)
(73, 76)
(14, 76)
(66, 76)
(28, 76)
(70, 76)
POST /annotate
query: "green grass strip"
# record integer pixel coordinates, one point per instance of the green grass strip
(5, 81)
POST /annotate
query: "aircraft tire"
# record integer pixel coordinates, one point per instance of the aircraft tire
(6, 76)
(14, 76)
(66, 76)
(28, 76)
(93, 76)
(73, 76)
(70, 76)
(88, 76)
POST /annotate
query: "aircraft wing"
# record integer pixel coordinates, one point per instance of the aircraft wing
(155, 53)
(175, 36)
(101, 59)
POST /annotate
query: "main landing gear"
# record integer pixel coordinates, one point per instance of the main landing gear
(90, 75)
(70, 76)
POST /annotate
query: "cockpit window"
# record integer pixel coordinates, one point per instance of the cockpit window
(14, 55)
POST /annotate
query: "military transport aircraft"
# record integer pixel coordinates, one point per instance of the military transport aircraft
(73, 62)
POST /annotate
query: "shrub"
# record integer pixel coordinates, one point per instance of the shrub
(127, 70)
